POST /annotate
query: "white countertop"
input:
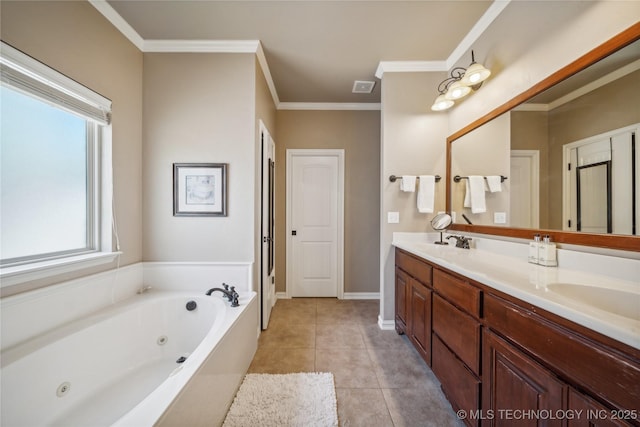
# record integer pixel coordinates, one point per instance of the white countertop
(534, 284)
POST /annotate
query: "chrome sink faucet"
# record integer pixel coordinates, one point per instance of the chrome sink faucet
(461, 241)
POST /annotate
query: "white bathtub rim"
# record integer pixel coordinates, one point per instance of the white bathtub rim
(24, 348)
(153, 407)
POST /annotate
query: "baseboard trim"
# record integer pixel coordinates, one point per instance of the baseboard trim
(282, 295)
(361, 295)
(386, 325)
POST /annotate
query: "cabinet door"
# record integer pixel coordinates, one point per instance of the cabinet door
(402, 292)
(586, 412)
(420, 319)
(515, 387)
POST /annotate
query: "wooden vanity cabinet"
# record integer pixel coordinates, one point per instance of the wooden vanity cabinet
(413, 302)
(456, 340)
(497, 353)
(592, 413)
(402, 291)
(514, 385)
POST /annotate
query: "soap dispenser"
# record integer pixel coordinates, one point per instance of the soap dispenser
(547, 254)
(534, 250)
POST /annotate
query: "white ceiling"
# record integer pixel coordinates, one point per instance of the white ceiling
(315, 50)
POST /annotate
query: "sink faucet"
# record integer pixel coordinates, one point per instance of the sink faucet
(230, 293)
(461, 241)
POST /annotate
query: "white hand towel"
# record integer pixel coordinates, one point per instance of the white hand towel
(495, 183)
(408, 183)
(476, 187)
(426, 193)
(467, 194)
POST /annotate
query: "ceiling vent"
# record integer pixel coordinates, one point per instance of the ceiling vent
(361, 86)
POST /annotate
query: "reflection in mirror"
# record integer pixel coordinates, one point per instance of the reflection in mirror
(440, 223)
(571, 154)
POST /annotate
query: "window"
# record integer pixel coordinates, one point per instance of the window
(55, 171)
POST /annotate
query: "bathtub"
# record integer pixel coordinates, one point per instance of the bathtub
(141, 362)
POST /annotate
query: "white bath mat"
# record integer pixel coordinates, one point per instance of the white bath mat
(305, 399)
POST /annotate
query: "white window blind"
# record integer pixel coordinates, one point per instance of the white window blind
(26, 74)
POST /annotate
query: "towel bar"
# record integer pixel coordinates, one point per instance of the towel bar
(457, 178)
(393, 178)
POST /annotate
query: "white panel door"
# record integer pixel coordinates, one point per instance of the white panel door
(524, 197)
(315, 207)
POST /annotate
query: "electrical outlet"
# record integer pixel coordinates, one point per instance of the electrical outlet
(393, 217)
(499, 217)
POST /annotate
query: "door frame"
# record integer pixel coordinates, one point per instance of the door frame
(267, 294)
(339, 154)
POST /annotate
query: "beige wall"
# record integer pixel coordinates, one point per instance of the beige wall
(485, 151)
(412, 143)
(199, 108)
(529, 131)
(76, 40)
(529, 54)
(358, 133)
(531, 40)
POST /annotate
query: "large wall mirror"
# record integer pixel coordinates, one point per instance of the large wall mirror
(568, 150)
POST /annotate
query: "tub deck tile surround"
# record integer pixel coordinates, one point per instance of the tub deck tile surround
(380, 378)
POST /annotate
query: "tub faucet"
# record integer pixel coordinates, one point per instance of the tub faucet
(461, 241)
(229, 292)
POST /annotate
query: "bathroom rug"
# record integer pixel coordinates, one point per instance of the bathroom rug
(284, 400)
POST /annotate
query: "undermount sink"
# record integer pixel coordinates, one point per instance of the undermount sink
(620, 302)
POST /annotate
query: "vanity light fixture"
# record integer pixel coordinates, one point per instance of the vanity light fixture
(459, 84)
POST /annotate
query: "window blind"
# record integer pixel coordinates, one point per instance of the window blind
(37, 79)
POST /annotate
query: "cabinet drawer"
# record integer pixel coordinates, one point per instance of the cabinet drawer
(602, 371)
(416, 268)
(459, 331)
(460, 386)
(458, 292)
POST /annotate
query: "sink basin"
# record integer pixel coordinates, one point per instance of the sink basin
(620, 302)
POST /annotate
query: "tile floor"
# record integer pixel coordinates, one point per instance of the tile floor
(380, 378)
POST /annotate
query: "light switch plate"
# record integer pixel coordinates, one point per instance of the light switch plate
(499, 217)
(393, 217)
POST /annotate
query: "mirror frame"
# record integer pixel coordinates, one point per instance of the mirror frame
(618, 241)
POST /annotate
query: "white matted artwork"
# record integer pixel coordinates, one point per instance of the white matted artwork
(199, 189)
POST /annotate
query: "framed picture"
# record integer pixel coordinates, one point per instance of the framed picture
(199, 189)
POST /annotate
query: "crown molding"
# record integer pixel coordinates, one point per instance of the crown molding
(590, 87)
(476, 31)
(201, 46)
(324, 106)
(409, 67)
(123, 26)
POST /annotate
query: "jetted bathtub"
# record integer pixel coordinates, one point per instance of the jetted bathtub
(132, 364)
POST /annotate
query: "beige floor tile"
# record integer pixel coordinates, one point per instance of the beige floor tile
(289, 336)
(400, 367)
(342, 313)
(338, 336)
(283, 360)
(420, 408)
(293, 312)
(362, 408)
(351, 367)
(374, 337)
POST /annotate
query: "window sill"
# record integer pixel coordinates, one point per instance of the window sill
(10, 276)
